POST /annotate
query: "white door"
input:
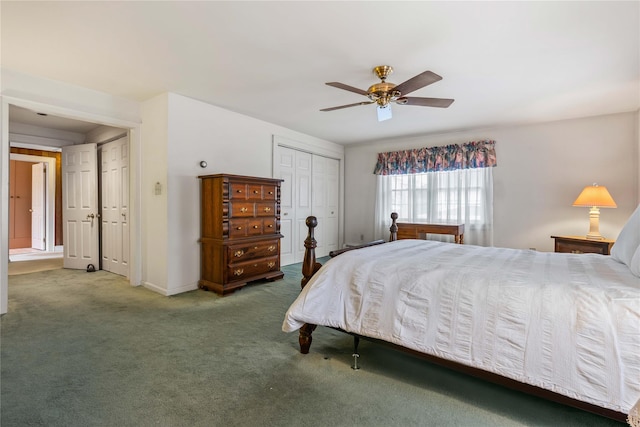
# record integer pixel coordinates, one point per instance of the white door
(80, 206)
(325, 194)
(38, 203)
(294, 167)
(114, 204)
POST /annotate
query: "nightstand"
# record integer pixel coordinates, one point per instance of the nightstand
(580, 245)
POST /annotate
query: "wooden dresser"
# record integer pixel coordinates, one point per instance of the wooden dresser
(240, 231)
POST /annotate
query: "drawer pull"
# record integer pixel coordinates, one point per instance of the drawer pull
(255, 226)
(271, 248)
(267, 209)
(271, 264)
(270, 192)
(239, 191)
(238, 272)
(238, 228)
(238, 253)
(270, 226)
(243, 210)
(255, 191)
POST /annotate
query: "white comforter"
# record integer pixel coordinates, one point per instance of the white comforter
(564, 322)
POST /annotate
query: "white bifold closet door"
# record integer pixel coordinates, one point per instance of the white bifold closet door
(294, 168)
(310, 187)
(324, 196)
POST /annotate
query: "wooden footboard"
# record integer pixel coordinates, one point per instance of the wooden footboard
(310, 266)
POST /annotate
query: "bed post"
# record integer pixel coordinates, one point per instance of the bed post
(309, 268)
(309, 264)
(394, 228)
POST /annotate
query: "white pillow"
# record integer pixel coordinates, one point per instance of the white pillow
(635, 263)
(628, 240)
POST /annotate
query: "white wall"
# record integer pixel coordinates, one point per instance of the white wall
(230, 143)
(154, 225)
(103, 134)
(541, 170)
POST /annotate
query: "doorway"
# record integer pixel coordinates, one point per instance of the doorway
(76, 116)
(34, 215)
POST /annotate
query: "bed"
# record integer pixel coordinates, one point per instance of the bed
(565, 327)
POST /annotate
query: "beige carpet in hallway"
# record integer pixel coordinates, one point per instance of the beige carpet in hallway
(24, 267)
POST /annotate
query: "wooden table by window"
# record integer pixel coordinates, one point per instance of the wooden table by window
(580, 245)
(415, 230)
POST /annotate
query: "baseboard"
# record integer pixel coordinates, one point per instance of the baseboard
(169, 292)
(181, 289)
(155, 288)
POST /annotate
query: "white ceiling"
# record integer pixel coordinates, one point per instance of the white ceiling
(503, 62)
(35, 118)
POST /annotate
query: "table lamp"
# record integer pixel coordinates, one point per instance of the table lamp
(595, 196)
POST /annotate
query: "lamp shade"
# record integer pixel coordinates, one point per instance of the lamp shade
(595, 195)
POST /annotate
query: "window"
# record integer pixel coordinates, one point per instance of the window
(446, 184)
(457, 196)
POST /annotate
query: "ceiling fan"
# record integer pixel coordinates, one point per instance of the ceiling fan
(384, 93)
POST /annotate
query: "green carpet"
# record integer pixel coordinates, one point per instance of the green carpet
(87, 349)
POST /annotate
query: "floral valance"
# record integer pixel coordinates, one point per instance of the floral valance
(475, 154)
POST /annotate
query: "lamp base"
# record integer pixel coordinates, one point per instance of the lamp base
(594, 224)
(593, 237)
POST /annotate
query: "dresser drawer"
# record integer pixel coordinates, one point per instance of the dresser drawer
(246, 270)
(238, 191)
(581, 245)
(254, 192)
(269, 192)
(251, 227)
(579, 248)
(265, 209)
(241, 210)
(247, 251)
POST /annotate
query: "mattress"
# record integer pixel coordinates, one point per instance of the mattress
(567, 323)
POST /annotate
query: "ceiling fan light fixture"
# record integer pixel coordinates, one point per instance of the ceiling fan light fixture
(384, 112)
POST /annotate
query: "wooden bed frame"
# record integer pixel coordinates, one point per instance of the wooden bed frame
(310, 267)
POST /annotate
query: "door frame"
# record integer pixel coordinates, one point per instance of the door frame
(50, 209)
(135, 235)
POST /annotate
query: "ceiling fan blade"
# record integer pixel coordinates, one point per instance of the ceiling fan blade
(425, 102)
(348, 105)
(417, 82)
(347, 87)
